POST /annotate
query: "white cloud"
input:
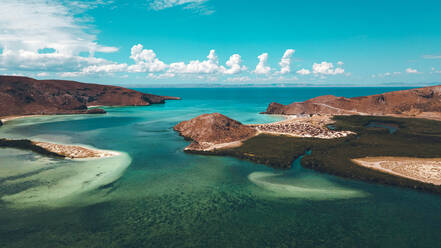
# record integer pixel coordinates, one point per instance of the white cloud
(434, 70)
(145, 60)
(304, 71)
(285, 62)
(198, 6)
(234, 64)
(388, 74)
(431, 56)
(28, 26)
(164, 4)
(262, 67)
(109, 68)
(239, 79)
(97, 69)
(209, 66)
(162, 76)
(42, 74)
(326, 68)
(340, 63)
(412, 71)
(80, 6)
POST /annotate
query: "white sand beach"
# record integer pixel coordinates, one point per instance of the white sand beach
(75, 151)
(426, 170)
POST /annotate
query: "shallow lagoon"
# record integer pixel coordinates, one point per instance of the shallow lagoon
(166, 198)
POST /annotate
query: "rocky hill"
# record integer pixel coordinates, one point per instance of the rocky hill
(421, 102)
(26, 96)
(207, 130)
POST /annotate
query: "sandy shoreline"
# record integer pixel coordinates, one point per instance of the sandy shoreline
(5, 119)
(75, 151)
(67, 151)
(426, 170)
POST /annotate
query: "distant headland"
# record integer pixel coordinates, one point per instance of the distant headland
(28, 96)
(23, 96)
(419, 103)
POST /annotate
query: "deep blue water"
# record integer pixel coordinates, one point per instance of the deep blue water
(163, 197)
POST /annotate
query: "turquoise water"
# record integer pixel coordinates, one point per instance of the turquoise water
(154, 195)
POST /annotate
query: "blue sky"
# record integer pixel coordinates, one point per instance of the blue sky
(278, 42)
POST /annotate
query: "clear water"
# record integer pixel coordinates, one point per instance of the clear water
(154, 195)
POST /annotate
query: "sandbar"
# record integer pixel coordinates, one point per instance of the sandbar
(426, 170)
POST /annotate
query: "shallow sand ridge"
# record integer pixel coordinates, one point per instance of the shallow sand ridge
(71, 151)
(427, 170)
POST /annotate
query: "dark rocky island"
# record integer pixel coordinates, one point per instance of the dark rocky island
(208, 131)
(27, 96)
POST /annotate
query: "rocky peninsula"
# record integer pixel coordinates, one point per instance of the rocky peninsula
(213, 131)
(22, 96)
(416, 103)
(26, 96)
(209, 132)
(344, 135)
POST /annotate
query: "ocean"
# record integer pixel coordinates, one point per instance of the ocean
(155, 195)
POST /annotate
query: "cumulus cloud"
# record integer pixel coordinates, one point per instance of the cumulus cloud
(211, 65)
(234, 65)
(411, 71)
(326, 68)
(145, 60)
(29, 26)
(303, 71)
(285, 62)
(262, 67)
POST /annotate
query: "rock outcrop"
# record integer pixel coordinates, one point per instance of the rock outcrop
(210, 131)
(27, 96)
(421, 102)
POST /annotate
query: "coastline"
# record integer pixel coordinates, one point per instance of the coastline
(425, 170)
(331, 153)
(292, 126)
(76, 151)
(5, 119)
(59, 150)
